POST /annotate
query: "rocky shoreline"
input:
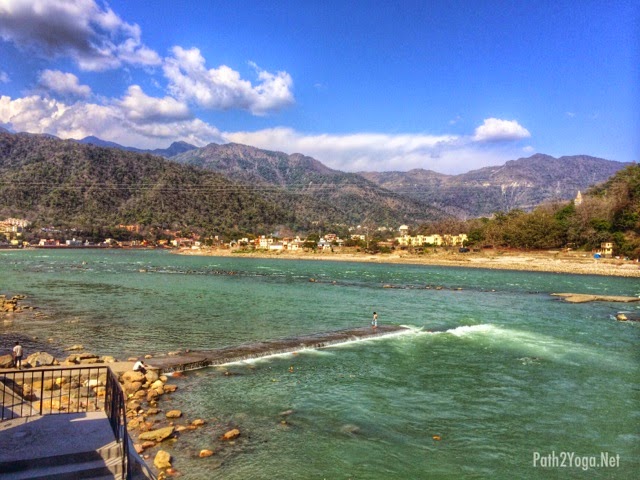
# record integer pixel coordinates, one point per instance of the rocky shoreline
(151, 427)
(578, 263)
(154, 428)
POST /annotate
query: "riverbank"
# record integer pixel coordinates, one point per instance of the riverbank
(539, 261)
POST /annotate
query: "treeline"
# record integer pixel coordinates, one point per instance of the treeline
(608, 213)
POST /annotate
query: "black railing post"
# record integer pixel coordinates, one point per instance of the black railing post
(41, 390)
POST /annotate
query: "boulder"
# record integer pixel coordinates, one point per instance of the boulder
(157, 384)
(198, 422)
(140, 394)
(134, 423)
(73, 348)
(152, 395)
(231, 434)
(132, 376)
(174, 414)
(162, 460)
(205, 453)
(151, 376)
(157, 435)
(6, 361)
(89, 360)
(621, 317)
(60, 381)
(49, 384)
(72, 359)
(131, 387)
(41, 359)
(170, 388)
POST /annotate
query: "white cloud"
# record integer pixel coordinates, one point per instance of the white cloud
(4, 77)
(38, 114)
(63, 83)
(147, 122)
(222, 88)
(95, 37)
(495, 129)
(142, 108)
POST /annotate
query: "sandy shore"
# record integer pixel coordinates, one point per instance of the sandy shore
(546, 261)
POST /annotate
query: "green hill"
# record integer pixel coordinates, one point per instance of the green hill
(93, 189)
(56, 182)
(349, 197)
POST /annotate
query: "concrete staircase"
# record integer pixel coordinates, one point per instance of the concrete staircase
(104, 463)
(59, 447)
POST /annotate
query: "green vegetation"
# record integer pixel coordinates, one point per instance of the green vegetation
(91, 190)
(87, 191)
(608, 213)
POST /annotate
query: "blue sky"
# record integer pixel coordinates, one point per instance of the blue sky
(361, 85)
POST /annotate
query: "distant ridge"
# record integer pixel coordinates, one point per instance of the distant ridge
(174, 149)
(518, 184)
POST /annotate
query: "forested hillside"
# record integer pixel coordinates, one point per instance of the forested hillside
(609, 212)
(361, 199)
(64, 183)
(92, 189)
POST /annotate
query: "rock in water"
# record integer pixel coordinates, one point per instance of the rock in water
(231, 434)
(157, 435)
(162, 460)
(350, 429)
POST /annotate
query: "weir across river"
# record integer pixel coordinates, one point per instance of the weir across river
(193, 360)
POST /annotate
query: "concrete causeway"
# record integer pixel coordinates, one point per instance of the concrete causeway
(200, 359)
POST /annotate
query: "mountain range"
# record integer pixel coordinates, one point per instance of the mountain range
(234, 187)
(518, 184)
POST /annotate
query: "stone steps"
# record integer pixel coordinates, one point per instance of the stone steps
(97, 464)
(70, 469)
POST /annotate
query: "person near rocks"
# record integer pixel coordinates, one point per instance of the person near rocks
(141, 367)
(17, 356)
(374, 320)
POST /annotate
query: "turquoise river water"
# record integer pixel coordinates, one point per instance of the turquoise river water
(512, 382)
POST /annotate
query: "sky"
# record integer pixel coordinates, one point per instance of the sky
(378, 85)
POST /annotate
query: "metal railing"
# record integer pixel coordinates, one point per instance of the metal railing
(54, 391)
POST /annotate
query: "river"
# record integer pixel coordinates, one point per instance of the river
(496, 379)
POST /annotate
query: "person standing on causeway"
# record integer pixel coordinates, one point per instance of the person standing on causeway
(17, 356)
